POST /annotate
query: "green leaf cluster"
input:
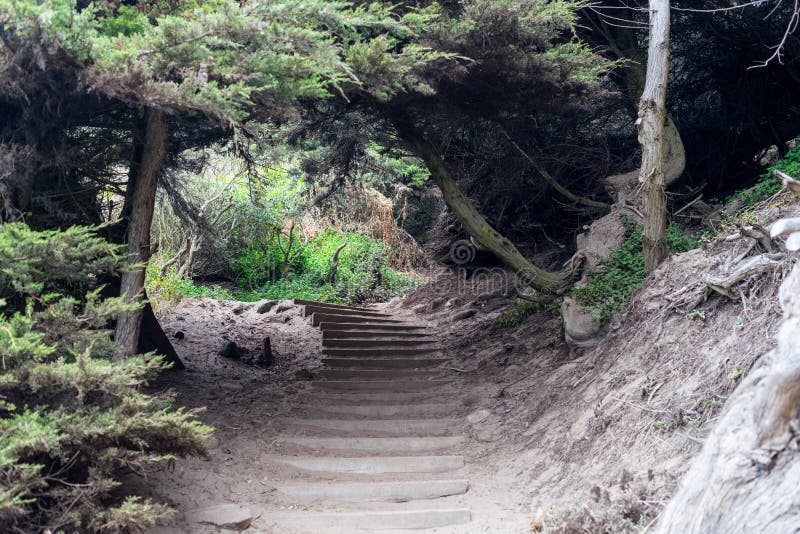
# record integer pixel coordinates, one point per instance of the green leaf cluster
(71, 414)
(610, 287)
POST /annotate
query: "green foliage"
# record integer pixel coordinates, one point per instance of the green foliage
(363, 274)
(70, 415)
(610, 287)
(518, 312)
(169, 288)
(768, 184)
(250, 53)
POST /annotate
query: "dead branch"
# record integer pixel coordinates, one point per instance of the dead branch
(748, 268)
(335, 263)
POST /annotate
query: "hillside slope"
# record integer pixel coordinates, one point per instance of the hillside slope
(598, 440)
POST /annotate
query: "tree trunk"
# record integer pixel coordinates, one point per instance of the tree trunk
(651, 124)
(140, 220)
(746, 477)
(476, 225)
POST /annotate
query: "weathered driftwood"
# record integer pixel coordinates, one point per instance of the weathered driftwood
(747, 476)
(754, 265)
(787, 227)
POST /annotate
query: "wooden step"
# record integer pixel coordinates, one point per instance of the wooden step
(383, 327)
(377, 374)
(308, 310)
(375, 491)
(386, 352)
(374, 465)
(382, 363)
(379, 343)
(392, 445)
(427, 427)
(319, 317)
(377, 334)
(384, 386)
(303, 302)
(378, 398)
(384, 411)
(340, 522)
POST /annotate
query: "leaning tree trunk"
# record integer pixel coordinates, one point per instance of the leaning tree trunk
(140, 219)
(476, 225)
(747, 476)
(651, 124)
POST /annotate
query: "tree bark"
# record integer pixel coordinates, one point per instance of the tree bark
(475, 224)
(651, 125)
(140, 219)
(746, 477)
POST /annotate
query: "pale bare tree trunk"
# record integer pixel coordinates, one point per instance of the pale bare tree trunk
(747, 476)
(651, 124)
(140, 221)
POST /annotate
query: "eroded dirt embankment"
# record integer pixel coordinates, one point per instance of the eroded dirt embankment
(587, 441)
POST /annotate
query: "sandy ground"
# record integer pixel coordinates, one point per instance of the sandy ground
(593, 441)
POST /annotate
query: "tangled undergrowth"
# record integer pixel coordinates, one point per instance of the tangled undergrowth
(73, 415)
(362, 275)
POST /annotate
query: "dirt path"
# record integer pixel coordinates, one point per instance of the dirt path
(368, 432)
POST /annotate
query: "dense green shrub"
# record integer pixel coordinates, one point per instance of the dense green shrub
(611, 286)
(71, 416)
(363, 273)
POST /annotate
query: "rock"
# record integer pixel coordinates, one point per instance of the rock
(230, 350)
(580, 328)
(284, 306)
(460, 316)
(304, 374)
(227, 516)
(478, 416)
(265, 357)
(266, 306)
(240, 309)
(179, 334)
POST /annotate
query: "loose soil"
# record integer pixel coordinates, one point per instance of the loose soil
(579, 441)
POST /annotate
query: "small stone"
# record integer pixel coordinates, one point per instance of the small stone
(240, 309)
(230, 350)
(179, 334)
(478, 416)
(508, 347)
(304, 374)
(266, 306)
(227, 516)
(265, 357)
(465, 314)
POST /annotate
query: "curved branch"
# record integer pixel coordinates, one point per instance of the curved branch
(552, 181)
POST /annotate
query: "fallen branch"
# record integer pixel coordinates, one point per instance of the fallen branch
(753, 266)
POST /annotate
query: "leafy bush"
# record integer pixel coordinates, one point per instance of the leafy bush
(362, 275)
(611, 286)
(518, 312)
(170, 288)
(71, 416)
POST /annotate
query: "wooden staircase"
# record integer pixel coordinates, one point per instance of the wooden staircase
(378, 431)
